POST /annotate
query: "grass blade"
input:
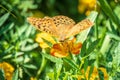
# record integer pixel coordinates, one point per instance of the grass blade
(71, 63)
(109, 12)
(15, 75)
(4, 18)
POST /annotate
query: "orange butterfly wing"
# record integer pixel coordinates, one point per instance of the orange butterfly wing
(44, 24)
(84, 24)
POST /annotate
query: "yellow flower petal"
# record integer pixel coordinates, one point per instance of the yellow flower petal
(81, 8)
(8, 69)
(94, 74)
(46, 36)
(104, 72)
(32, 78)
(87, 12)
(86, 5)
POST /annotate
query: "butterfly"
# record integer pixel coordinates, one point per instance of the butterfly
(61, 27)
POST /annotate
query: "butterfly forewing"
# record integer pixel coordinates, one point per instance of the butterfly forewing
(44, 24)
(63, 20)
(84, 24)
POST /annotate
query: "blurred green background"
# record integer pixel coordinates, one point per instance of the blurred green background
(18, 46)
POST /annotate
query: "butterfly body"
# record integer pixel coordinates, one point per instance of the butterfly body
(61, 27)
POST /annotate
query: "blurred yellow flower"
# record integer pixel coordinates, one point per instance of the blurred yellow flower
(8, 70)
(86, 6)
(46, 36)
(94, 75)
(32, 78)
(105, 73)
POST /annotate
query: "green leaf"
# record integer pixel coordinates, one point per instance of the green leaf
(21, 31)
(58, 68)
(93, 16)
(116, 37)
(85, 64)
(6, 28)
(101, 75)
(92, 46)
(28, 31)
(52, 58)
(91, 71)
(2, 76)
(3, 19)
(30, 66)
(29, 47)
(109, 12)
(91, 61)
(105, 44)
(51, 75)
(83, 49)
(25, 70)
(71, 63)
(15, 75)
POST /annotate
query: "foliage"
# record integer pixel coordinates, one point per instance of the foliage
(100, 48)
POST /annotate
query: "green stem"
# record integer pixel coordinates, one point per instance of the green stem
(82, 62)
(96, 30)
(41, 67)
(8, 11)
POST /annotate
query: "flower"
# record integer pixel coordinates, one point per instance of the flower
(46, 36)
(105, 73)
(86, 6)
(8, 70)
(32, 78)
(94, 75)
(62, 49)
(59, 50)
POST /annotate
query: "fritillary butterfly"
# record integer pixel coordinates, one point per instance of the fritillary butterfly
(61, 27)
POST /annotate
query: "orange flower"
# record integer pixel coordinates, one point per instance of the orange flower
(59, 50)
(62, 49)
(8, 70)
(94, 74)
